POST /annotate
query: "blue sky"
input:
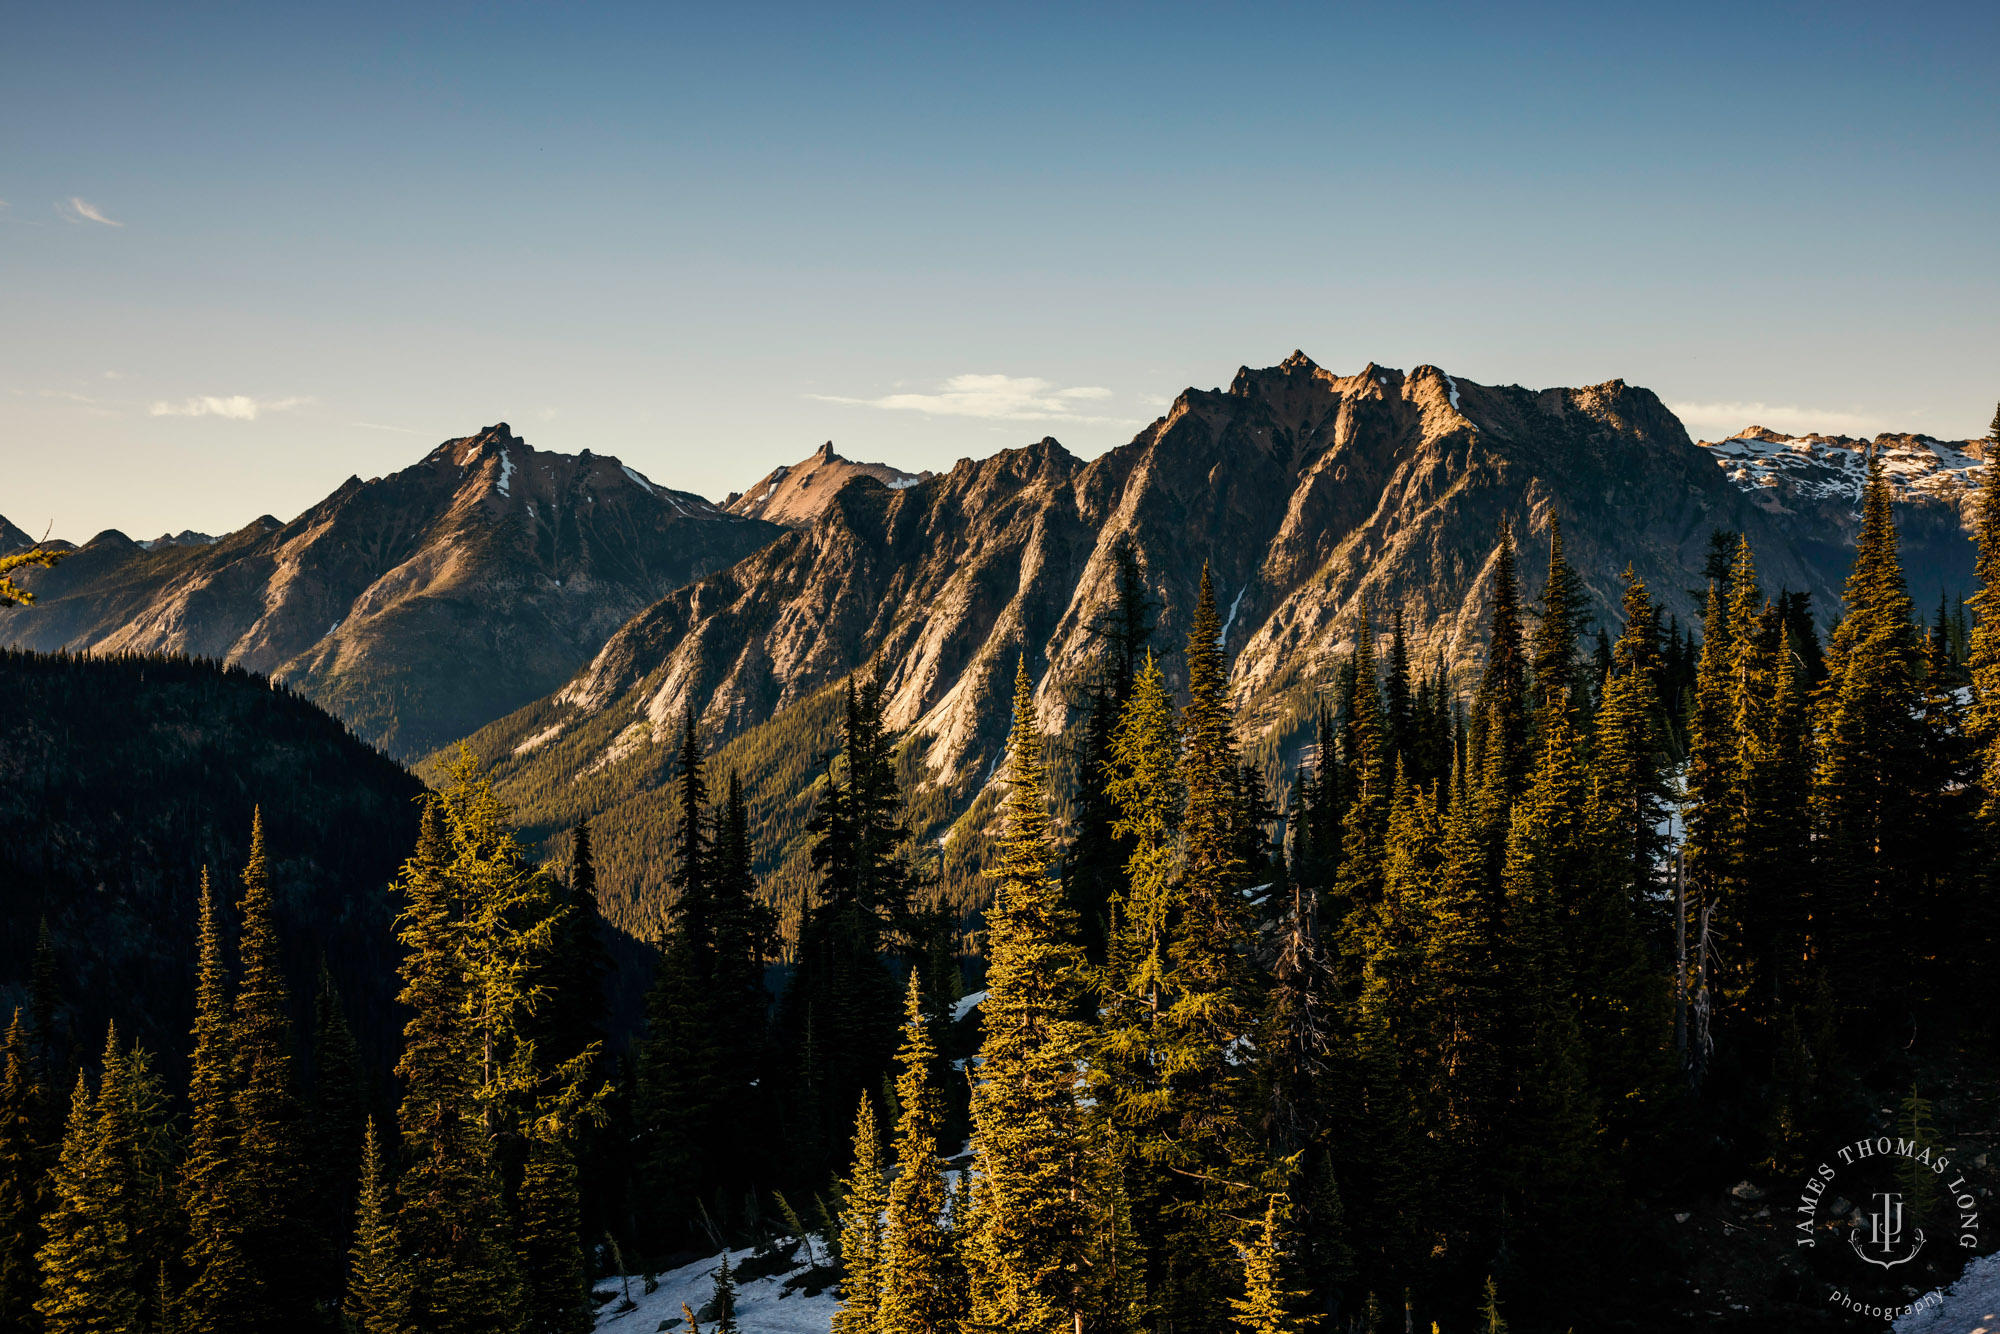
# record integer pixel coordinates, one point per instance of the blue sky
(247, 251)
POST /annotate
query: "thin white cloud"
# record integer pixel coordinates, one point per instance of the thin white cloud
(77, 209)
(1017, 398)
(236, 407)
(1719, 421)
(378, 426)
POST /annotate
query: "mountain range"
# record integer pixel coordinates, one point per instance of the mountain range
(1307, 493)
(564, 613)
(417, 606)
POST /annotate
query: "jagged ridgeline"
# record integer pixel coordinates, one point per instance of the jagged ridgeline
(124, 776)
(1308, 493)
(417, 606)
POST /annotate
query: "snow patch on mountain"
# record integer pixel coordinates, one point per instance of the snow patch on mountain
(1779, 467)
(638, 478)
(506, 474)
(966, 1005)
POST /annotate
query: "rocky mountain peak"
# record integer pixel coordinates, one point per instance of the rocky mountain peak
(417, 605)
(794, 494)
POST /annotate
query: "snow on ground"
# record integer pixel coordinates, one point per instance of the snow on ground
(966, 1005)
(763, 1306)
(506, 474)
(1970, 1306)
(638, 478)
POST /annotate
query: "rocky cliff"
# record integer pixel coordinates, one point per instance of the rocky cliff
(417, 606)
(1309, 493)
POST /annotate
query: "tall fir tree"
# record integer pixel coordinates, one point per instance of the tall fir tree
(1208, 1148)
(842, 995)
(864, 1201)
(1867, 785)
(223, 1290)
(1029, 1141)
(338, 1110)
(1267, 1306)
(1983, 717)
(368, 1302)
(555, 1291)
(923, 1281)
(1368, 760)
(23, 1171)
(93, 1280)
(1564, 612)
(453, 1273)
(1500, 709)
(267, 1120)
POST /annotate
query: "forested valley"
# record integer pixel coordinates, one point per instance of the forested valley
(1445, 1038)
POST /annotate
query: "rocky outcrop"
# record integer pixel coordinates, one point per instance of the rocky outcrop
(795, 494)
(417, 606)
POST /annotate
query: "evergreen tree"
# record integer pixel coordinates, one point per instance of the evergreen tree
(1400, 721)
(266, 1120)
(1096, 856)
(1552, 1120)
(1369, 763)
(1869, 748)
(923, 1280)
(1028, 1127)
(453, 1274)
(1206, 1148)
(1565, 610)
(1630, 751)
(224, 1290)
(1500, 709)
(338, 1113)
(1982, 723)
(703, 1053)
(842, 994)
(92, 1281)
(555, 1293)
(865, 1197)
(723, 1300)
(22, 1184)
(1266, 1306)
(369, 1304)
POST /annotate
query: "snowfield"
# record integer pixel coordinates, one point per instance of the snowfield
(762, 1306)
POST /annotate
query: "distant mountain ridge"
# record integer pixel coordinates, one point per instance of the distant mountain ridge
(417, 606)
(1308, 493)
(794, 494)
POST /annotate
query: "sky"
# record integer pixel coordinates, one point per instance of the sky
(246, 252)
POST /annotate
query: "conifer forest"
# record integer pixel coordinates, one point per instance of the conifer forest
(1440, 1024)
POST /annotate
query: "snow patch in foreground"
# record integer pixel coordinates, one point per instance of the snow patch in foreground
(1969, 1305)
(762, 1306)
(966, 1005)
